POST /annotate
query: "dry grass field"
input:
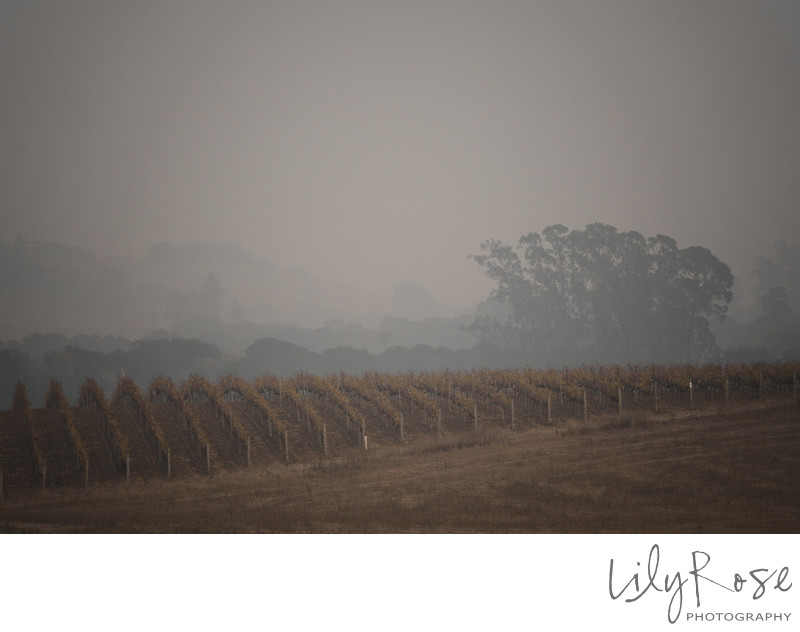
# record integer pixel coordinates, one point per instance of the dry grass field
(734, 471)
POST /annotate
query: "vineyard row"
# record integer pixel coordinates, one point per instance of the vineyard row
(203, 427)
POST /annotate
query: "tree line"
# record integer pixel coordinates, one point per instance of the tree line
(562, 298)
(599, 295)
(179, 358)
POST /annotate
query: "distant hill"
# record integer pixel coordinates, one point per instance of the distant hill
(50, 287)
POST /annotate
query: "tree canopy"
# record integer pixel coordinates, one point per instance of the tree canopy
(781, 272)
(602, 295)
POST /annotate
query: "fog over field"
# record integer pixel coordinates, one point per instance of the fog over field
(357, 152)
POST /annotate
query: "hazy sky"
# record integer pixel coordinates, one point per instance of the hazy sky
(377, 142)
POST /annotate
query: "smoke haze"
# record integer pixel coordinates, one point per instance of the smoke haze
(378, 143)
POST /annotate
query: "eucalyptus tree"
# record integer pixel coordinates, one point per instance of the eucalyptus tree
(602, 295)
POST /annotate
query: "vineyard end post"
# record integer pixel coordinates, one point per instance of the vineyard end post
(655, 394)
(585, 407)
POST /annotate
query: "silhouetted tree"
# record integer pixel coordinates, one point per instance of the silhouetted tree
(205, 304)
(775, 310)
(209, 303)
(601, 295)
(782, 271)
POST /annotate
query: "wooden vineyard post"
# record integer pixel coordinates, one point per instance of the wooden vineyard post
(325, 439)
(585, 407)
(286, 444)
(655, 394)
(402, 429)
(208, 457)
(619, 399)
(727, 390)
(439, 425)
(513, 421)
(549, 411)
(248, 450)
(475, 415)
(86, 471)
(364, 432)
(44, 477)
(761, 386)
(691, 395)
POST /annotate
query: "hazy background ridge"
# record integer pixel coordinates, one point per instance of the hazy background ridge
(374, 143)
(198, 290)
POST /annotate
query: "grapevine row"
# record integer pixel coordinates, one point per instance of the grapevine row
(128, 393)
(92, 395)
(22, 405)
(199, 388)
(163, 390)
(55, 398)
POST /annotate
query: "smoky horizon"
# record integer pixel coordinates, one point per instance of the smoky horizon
(377, 145)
